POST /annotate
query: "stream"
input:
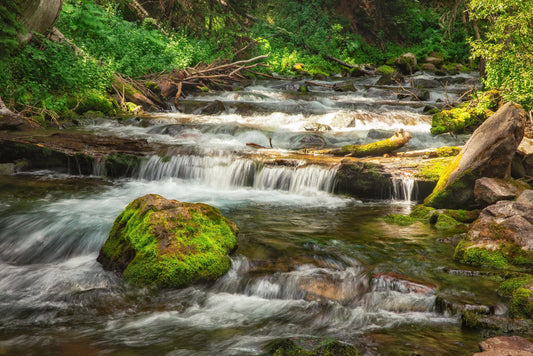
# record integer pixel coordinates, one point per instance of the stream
(305, 260)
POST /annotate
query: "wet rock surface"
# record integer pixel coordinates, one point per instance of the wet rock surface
(506, 345)
(399, 283)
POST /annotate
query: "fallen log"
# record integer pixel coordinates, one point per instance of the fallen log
(379, 148)
(255, 145)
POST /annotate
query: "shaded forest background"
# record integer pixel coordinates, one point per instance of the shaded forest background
(133, 38)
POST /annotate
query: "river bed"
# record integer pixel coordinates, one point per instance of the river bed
(305, 260)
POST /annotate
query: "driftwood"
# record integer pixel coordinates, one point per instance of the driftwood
(258, 146)
(345, 64)
(379, 148)
(214, 75)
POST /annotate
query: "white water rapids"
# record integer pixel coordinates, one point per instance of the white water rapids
(305, 256)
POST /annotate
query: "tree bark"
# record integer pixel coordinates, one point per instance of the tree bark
(379, 148)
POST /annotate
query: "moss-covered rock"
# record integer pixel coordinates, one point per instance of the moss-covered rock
(167, 243)
(440, 219)
(488, 153)
(467, 117)
(363, 180)
(311, 347)
(520, 290)
(431, 169)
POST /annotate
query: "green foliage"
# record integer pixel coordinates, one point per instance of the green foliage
(50, 76)
(127, 47)
(9, 26)
(506, 42)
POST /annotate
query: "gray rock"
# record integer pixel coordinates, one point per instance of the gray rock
(488, 153)
(505, 221)
(490, 190)
(214, 108)
(426, 83)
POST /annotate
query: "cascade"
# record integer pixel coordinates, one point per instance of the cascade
(225, 171)
(404, 187)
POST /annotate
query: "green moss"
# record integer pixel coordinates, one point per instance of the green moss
(507, 287)
(446, 222)
(521, 304)
(196, 249)
(399, 219)
(464, 216)
(422, 212)
(466, 117)
(477, 256)
(95, 102)
(470, 319)
(431, 170)
(329, 347)
(385, 70)
(449, 151)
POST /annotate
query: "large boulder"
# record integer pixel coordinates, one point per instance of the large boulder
(502, 235)
(488, 153)
(167, 243)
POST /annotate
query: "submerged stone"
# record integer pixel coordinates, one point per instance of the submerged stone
(167, 243)
(311, 347)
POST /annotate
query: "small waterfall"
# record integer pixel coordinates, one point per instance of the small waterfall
(99, 169)
(404, 188)
(296, 180)
(228, 171)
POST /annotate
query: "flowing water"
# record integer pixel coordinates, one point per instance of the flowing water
(305, 258)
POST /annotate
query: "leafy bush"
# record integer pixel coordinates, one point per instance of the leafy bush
(505, 44)
(128, 47)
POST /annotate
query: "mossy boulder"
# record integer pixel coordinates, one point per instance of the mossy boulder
(407, 63)
(167, 243)
(467, 117)
(363, 180)
(502, 236)
(520, 292)
(488, 153)
(440, 219)
(311, 347)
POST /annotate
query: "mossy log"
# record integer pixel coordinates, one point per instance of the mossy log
(379, 148)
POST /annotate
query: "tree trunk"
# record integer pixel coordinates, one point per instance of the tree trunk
(39, 16)
(379, 148)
